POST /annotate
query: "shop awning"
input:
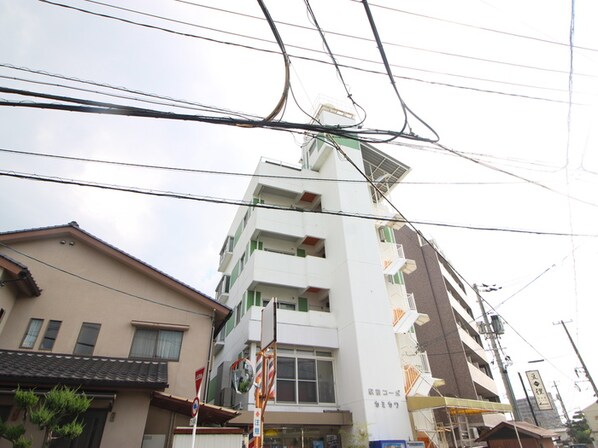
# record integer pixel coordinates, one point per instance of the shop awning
(207, 414)
(456, 405)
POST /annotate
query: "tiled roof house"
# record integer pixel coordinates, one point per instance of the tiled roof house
(77, 311)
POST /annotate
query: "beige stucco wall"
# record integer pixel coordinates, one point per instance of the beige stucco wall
(73, 301)
(7, 299)
(125, 425)
(69, 297)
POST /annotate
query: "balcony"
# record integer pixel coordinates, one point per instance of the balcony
(419, 380)
(317, 153)
(396, 221)
(226, 253)
(274, 192)
(223, 289)
(471, 343)
(393, 259)
(403, 320)
(481, 379)
(219, 342)
(458, 307)
(310, 328)
(300, 273)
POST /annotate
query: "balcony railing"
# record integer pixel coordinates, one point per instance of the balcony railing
(411, 301)
(226, 252)
(223, 288)
(412, 374)
(394, 259)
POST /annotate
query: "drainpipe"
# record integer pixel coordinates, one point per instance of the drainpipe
(210, 350)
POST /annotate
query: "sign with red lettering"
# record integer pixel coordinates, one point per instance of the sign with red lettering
(198, 379)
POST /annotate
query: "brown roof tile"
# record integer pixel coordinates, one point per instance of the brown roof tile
(32, 368)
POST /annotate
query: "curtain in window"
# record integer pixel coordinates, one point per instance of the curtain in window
(50, 335)
(144, 343)
(306, 369)
(325, 382)
(169, 344)
(32, 332)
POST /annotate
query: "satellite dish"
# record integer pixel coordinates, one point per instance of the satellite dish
(242, 375)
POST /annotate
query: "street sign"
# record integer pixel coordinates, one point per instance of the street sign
(198, 378)
(257, 423)
(195, 407)
(538, 389)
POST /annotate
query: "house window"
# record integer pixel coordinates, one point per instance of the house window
(32, 332)
(304, 380)
(86, 341)
(156, 344)
(50, 335)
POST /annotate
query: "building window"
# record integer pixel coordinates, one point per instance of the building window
(156, 344)
(304, 380)
(86, 341)
(239, 312)
(32, 332)
(50, 335)
(281, 305)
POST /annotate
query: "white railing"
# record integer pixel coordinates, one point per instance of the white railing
(425, 364)
(227, 247)
(411, 301)
(223, 286)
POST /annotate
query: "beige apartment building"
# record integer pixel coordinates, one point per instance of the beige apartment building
(76, 311)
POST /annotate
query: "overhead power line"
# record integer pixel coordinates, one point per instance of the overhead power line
(224, 201)
(360, 38)
(407, 111)
(366, 135)
(240, 174)
(88, 106)
(444, 84)
(422, 236)
(477, 27)
(104, 285)
(98, 107)
(508, 173)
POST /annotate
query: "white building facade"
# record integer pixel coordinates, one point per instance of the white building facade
(346, 357)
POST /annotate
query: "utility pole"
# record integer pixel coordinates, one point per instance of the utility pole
(529, 402)
(503, 370)
(558, 397)
(583, 364)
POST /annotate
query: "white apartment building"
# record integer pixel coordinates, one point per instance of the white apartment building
(346, 348)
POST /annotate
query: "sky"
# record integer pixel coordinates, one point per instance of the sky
(491, 78)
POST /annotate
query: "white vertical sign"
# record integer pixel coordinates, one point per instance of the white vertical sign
(257, 422)
(269, 324)
(538, 389)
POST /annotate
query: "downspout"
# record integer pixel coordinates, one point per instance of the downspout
(210, 350)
